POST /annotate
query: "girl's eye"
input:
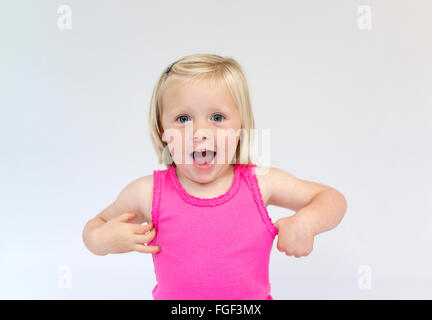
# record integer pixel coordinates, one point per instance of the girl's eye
(219, 117)
(182, 118)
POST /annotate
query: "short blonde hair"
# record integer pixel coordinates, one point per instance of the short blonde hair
(217, 70)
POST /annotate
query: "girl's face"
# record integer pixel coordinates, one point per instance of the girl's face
(200, 117)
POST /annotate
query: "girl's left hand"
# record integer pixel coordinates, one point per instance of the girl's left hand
(295, 236)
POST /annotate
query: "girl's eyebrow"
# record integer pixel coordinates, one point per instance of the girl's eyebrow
(179, 109)
(176, 110)
(223, 108)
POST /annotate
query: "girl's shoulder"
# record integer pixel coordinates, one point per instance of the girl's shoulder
(140, 192)
(283, 189)
(146, 195)
(136, 198)
(146, 191)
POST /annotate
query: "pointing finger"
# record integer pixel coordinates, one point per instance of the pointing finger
(141, 229)
(145, 238)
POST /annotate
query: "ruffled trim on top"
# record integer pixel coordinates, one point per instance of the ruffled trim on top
(259, 200)
(156, 198)
(205, 202)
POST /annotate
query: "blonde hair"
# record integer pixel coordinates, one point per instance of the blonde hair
(217, 70)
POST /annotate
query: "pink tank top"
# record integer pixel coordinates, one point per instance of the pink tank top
(215, 248)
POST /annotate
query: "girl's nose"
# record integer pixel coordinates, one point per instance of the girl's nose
(197, 138)
(201, 135)
(202, 131)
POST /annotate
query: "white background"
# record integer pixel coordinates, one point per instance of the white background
(347, 107)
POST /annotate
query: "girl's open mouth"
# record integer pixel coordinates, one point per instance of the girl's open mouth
(203, 159)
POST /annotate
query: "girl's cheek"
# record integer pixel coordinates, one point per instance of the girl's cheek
(178, 149)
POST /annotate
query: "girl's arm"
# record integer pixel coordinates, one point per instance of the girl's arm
(321, 206)
(135, 198)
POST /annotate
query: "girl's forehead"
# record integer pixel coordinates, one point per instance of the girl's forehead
(185, 95)
(184, 88)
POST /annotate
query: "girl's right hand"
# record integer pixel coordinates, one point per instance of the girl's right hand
(120, 236)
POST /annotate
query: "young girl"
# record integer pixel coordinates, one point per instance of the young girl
(208, 228)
